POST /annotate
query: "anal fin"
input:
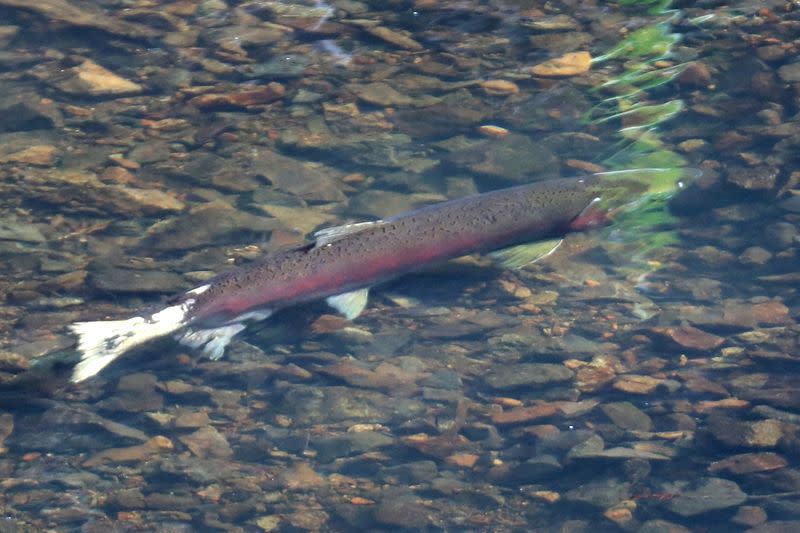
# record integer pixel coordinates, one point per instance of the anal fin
(212, 341)
(350, 304)
(525, 254)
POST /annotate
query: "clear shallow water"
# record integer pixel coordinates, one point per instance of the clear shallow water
(575, 394)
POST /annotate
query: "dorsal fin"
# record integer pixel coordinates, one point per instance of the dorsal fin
(334, 233)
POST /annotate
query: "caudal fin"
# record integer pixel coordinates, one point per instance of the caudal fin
(100, 343)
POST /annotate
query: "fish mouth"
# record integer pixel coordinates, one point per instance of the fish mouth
(622, 190)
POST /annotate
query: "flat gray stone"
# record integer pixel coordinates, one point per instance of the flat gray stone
(707, 494)
(528, 375)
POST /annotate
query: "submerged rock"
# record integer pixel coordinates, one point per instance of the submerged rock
(133, 454)
(83, 192)
(705, 495)
(213, 223)
(627, 416)
(569, 64)
(19, 112)
(90, 79)
(11, 230)
(121, 280)
(311, 405)
(402, 510)
(528, 375)
(747, 463)
(81, 17)
(515, 158)
(318, 184)
(207, 442)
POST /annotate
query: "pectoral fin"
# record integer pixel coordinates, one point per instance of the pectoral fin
(350, 304)
(525, 254)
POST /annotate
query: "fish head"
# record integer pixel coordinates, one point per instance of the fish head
(623, 190)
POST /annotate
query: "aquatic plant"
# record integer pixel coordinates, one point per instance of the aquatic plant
(645, 225)
(653, 42)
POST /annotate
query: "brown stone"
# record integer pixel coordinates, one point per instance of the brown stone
(301, 477)
(691, 337)
(637, 384)
(525, 414)
(569, 64)
(91, 79)
(155, 446)
(727, 403)
(750, 515)
(42, 155)
(462, 460)
(695, 73)
(240, 99)
(500, 87)
(747, 463)
(207, 442)
(392, 37)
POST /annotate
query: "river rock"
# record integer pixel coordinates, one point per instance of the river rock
(747, 463)
(90, 79)
(758, 434)
(627, 416)
(301, 476)
(569, 64)
(314, 405)
(84, 192)
(707, 494)
(781, 235)
(11, 230)
(528, 375)
(311, 182)
(525, 414)
(7, 34)
(20, 112)
(40, 155)
(515, 158)
(135, 393)
(790, 73)
(301, 219)
(662, 526)
(601, 494)
(402, 510)
(380, 93)
(412, 473)
(213, 223)
(456, 113)
(396, 38)
(82, 17)
(755, 255)
(239, 98)
(776, 526)
(753, 179)
(331, 448)
(122, 280)
(207, 442)
(133, 454)
(690, 337)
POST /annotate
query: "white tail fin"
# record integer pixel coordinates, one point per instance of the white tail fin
(99, 343)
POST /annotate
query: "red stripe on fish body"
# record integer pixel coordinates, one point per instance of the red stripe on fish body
(398, 245)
